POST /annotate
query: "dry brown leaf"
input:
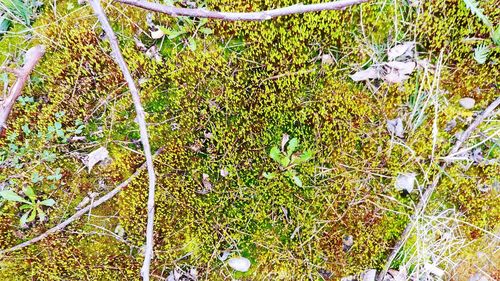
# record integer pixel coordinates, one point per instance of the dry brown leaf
(401, 50)
(362, 75)
(96, 156)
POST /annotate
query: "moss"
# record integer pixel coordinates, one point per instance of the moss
(224, 106)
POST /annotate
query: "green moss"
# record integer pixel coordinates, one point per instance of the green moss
(223, 107)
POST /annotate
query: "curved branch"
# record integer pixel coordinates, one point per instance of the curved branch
(31, 58)
(141, 120)
(243, 16)
(81, 212)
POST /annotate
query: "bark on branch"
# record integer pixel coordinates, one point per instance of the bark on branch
(243, 16)
(31, 58)
(117, 55)
(430, 190)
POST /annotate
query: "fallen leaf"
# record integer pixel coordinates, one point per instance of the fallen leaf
(284, 140)
(450, 125)
(157, 34)
(153, 53)
(405, 182)
(139, 45)
(404, 49)
(402, 67)
(96, 156)
(478, 277)
(239, 264)
(224, 173)
(347, 242)
(119, 230)
(223, 256)
(207, 186)
(395, 127)
(477, 155)
(362, 75)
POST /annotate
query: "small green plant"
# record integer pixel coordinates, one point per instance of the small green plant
(481, 53)
(31, 207)
(18, 11)
(186, 31)
(288, 159)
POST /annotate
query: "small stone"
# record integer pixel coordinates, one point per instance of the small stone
(467, 103)
(327, 59)
(239, 264)
(369, 275)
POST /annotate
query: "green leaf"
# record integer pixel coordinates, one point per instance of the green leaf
(473, 6)
(41, 214)
(32, 216)
(30, 193)
(285, 161)
(25, 206)
(26, 129)
(48, 202)
(275, 154)
(192, 44)
(496, 36)
(304, 157)
(297, 181)
(172, 34)
(24, 218)
(35, 177)
(481, 53)
(292, 146)
(269, 176)
(206, 30)
(12, 196)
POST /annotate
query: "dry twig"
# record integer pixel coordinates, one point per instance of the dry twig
(81, 212)
(430, 190)
(244, 16)
(31, 58)
(117, 55)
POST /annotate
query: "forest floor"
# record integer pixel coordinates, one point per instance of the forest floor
(302, 144)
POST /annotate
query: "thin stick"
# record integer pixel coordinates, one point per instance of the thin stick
(244, 16)
(81, 212)
(33, 55)
(103, 19)
(430, 190)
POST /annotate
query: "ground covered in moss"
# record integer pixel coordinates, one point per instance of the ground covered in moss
(218, 98)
